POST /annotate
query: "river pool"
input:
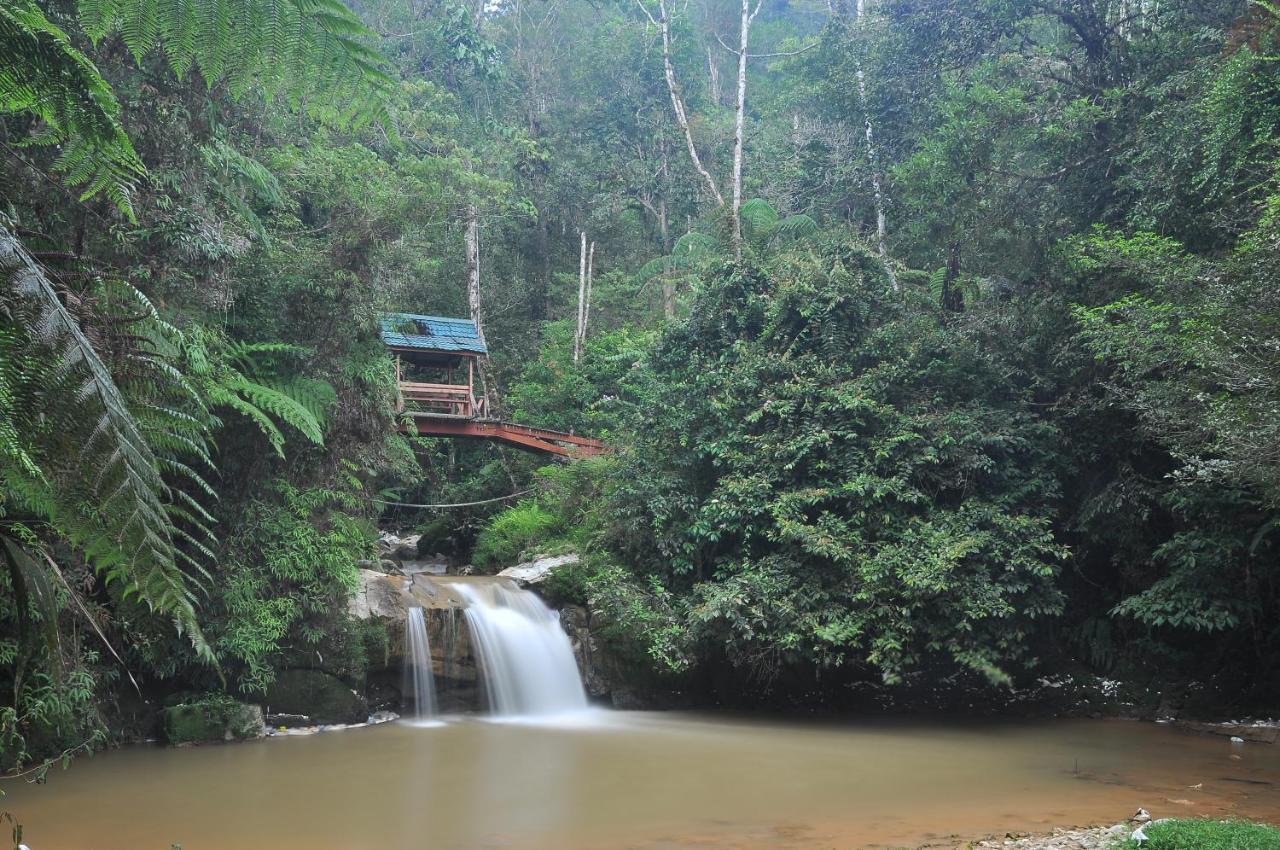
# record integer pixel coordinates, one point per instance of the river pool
(649, 781)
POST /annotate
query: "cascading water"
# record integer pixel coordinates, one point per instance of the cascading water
(417, 666)
(523, 653)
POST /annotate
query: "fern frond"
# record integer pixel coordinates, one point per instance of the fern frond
(796, 227)
(95, 454)
(758, 217)
(44, 76)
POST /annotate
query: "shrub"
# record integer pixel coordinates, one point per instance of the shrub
(1208, 835)
(513, 532)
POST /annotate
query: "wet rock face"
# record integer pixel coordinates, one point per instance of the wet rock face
(599, 670)
(317, 695)
(387, 599)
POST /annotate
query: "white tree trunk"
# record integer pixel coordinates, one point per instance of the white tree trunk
(580, 326)
(586, 307)
(882, 224)
(744, 37)
(677, 103)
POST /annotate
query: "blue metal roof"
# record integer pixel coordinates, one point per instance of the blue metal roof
(431, 333)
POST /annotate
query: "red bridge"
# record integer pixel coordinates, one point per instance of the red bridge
(440, 348)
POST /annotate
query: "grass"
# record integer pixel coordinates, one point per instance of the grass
(1208, 835)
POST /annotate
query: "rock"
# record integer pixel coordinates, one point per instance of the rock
(212, 719)
(1236, 739)
(539, 569)
(379, 595)
(398, 548)
(323, 698)
(287, 721)
(425, 566)
(382, 717)
(1141, 816)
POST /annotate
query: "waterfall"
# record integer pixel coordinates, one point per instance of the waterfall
(419, 679)
(523, 653)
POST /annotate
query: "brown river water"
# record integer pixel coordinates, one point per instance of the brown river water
(649, 781)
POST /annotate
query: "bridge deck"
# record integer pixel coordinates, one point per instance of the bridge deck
(521, 436)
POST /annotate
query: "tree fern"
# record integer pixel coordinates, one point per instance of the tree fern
(100, 484)
(689, 251)
(292, 47)
(249, 379)
(762, 225)
(43, 76)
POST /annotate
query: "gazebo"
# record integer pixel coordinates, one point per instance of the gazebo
(434, 356)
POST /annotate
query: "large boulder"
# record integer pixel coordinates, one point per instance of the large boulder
(539, 569)
(211, 719)
(379, 595)
(316, 694)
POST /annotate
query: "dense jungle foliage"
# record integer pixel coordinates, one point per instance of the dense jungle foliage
(945, 343)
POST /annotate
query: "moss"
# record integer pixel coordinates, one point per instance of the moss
(1208, 835)
(215, 718)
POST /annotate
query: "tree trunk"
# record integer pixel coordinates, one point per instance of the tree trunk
(586, 306)
(489, 387)
(664, 229)
(744, 37)
(582, 299)
(677, 103)
(882, 226)
(713, 71)
(538, 299)
(952, 297)
(473, 270)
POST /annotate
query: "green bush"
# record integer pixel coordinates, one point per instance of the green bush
(513, 532)
(1208, 835)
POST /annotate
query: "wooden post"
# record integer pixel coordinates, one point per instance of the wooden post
(471, 387)
(399, 394)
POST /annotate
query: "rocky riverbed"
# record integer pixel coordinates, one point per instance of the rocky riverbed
(1091, 838)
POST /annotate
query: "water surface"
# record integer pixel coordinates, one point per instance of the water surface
(647, 781)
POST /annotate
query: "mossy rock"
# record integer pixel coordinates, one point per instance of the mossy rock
(212, 719)
(323, 698)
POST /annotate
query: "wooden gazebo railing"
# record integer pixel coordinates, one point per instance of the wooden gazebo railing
(442, 399)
